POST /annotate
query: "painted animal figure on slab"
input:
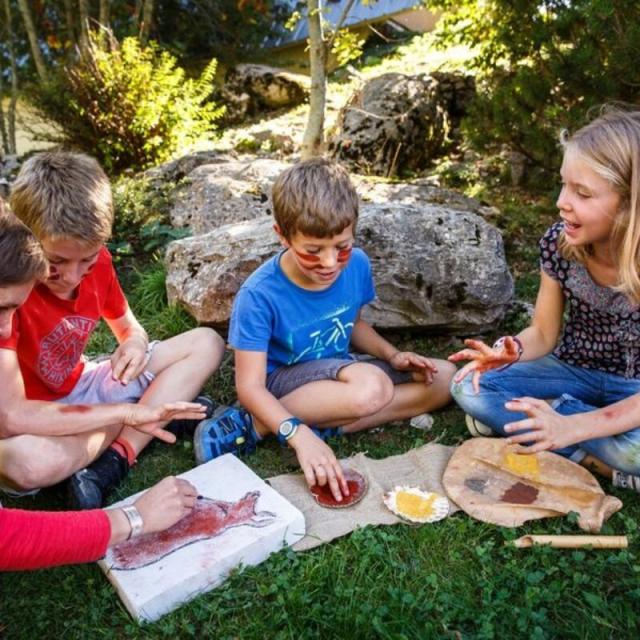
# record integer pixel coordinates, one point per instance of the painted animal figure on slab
(208, 519)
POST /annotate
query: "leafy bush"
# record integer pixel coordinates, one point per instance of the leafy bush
(130, 106)
(142, 209)
(542, 64)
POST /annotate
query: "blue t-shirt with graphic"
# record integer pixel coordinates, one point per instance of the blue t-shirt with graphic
(292, 324)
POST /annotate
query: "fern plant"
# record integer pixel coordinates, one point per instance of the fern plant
(130, 106)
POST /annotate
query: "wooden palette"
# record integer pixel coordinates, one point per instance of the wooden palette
(358, 487)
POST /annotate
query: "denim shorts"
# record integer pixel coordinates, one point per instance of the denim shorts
(286, 379)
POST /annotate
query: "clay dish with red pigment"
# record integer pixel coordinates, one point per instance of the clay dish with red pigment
(357, 484)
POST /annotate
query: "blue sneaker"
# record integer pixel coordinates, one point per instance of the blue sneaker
(325, 434)
(229, 430)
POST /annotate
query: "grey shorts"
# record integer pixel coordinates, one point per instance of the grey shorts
(96, 386)
(284, 380)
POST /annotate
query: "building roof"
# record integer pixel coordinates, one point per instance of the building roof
(362, 12)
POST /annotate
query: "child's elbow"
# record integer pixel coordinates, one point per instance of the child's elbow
(248, 391)
(8, 423)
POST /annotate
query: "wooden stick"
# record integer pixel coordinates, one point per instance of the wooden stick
(573, 542)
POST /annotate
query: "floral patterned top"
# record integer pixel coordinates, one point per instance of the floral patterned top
(602, 328)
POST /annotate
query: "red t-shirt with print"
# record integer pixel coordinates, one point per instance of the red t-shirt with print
(50, 334)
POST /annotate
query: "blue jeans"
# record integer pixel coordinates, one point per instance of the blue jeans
(571, 390)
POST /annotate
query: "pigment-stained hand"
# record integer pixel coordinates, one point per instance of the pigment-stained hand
(483, 358)
(545, 428)
(166, 503)
(318, 462)
(129, 359)
(148, 419)
(409, 361)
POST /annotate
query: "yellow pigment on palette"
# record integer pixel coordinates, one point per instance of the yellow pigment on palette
(413, 506)
(523, 464)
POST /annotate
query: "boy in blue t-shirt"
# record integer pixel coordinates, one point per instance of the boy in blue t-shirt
(293, 325)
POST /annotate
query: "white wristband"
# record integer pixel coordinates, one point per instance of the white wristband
(135, 520)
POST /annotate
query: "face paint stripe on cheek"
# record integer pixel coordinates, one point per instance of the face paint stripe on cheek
(53, 274)
(344, 254)
(307, 257)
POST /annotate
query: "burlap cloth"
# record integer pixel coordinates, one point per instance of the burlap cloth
(421, 467)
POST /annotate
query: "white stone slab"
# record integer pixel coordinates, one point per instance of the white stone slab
(246, 520)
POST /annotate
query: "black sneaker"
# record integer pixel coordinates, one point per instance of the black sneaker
(186, 428)
(89, 487)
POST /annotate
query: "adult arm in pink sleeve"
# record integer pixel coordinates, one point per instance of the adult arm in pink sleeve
(39, 539)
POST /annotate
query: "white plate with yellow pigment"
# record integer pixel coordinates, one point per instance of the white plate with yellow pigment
(415, 505)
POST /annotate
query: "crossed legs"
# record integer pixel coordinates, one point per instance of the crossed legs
(363, 396)
(181, 365)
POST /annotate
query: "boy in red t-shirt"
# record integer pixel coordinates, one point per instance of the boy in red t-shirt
(88, 416)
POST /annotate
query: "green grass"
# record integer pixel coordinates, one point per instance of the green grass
(457, 578)
(454, 579)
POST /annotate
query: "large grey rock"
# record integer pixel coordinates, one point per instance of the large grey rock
(205, 272)
(435, 267)
(234, 189)
(396, 123)
(225, 192)
(253, 88)
(417, 192)
(176, 170)
(393, 123)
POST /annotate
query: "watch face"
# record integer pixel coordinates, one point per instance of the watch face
(286, 428)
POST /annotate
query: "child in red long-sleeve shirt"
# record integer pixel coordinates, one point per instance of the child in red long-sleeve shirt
(36, 539)
(65, 200)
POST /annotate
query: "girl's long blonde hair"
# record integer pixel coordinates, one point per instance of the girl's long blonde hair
(610, 145)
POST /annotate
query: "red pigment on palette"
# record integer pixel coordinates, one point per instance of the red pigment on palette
(208, 519)
(356, 484)
(74, 408)
(520, 493)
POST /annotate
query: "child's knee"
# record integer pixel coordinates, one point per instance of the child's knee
(371, 393)
(206, 343)
(29, 464)
(446, 371)
(438, 393)
(464, 394)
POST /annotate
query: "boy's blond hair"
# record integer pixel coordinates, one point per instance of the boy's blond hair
(610, 145)
(64, 195)
(21, 256)
(316, 198)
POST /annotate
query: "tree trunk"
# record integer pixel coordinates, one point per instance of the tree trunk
(11, 111)
(147, 18)
(84, 23)
(3, 125)
(313, 139)
(70, 22)
(38, 60)
(105, 7)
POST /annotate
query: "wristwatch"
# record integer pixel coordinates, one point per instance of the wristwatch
(288, 428)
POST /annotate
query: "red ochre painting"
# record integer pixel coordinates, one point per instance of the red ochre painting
(208, 519)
